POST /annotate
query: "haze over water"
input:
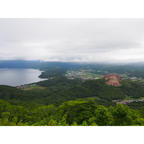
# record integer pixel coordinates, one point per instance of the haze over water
(15, 77)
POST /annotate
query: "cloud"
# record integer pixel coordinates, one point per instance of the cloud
(82, 40)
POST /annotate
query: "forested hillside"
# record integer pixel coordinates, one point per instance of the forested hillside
(70, 102)
(64, 101)
(69, 113)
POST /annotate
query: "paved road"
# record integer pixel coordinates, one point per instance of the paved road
(128, 101)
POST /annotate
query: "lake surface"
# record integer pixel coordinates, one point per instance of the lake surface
(16, 77)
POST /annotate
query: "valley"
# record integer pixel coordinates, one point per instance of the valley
(76, 94)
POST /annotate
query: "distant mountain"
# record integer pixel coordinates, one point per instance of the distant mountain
(40, 64)
(18, 64)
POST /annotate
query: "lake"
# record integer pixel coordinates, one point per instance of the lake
(16, 77)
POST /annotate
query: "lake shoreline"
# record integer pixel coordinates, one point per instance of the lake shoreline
(20, 77)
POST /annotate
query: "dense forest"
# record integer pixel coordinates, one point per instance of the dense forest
(72, 102)
(73, 113)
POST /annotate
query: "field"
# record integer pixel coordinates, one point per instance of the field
(83, 74)
(34, 87)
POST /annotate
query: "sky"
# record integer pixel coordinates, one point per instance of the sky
(72, 40)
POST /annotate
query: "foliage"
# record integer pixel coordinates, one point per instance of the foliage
(59, 101)
(74, 113)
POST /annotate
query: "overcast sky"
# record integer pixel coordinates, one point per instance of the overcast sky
(77, 40)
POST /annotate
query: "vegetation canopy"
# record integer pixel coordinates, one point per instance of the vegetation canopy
(75, 95)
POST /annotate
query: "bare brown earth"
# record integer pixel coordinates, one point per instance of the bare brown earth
(112, 79)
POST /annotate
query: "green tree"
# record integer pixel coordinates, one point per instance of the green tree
(102, 116)
(123, 115)
(52, 122)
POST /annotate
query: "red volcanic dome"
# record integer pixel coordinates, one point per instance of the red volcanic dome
(112, 79)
